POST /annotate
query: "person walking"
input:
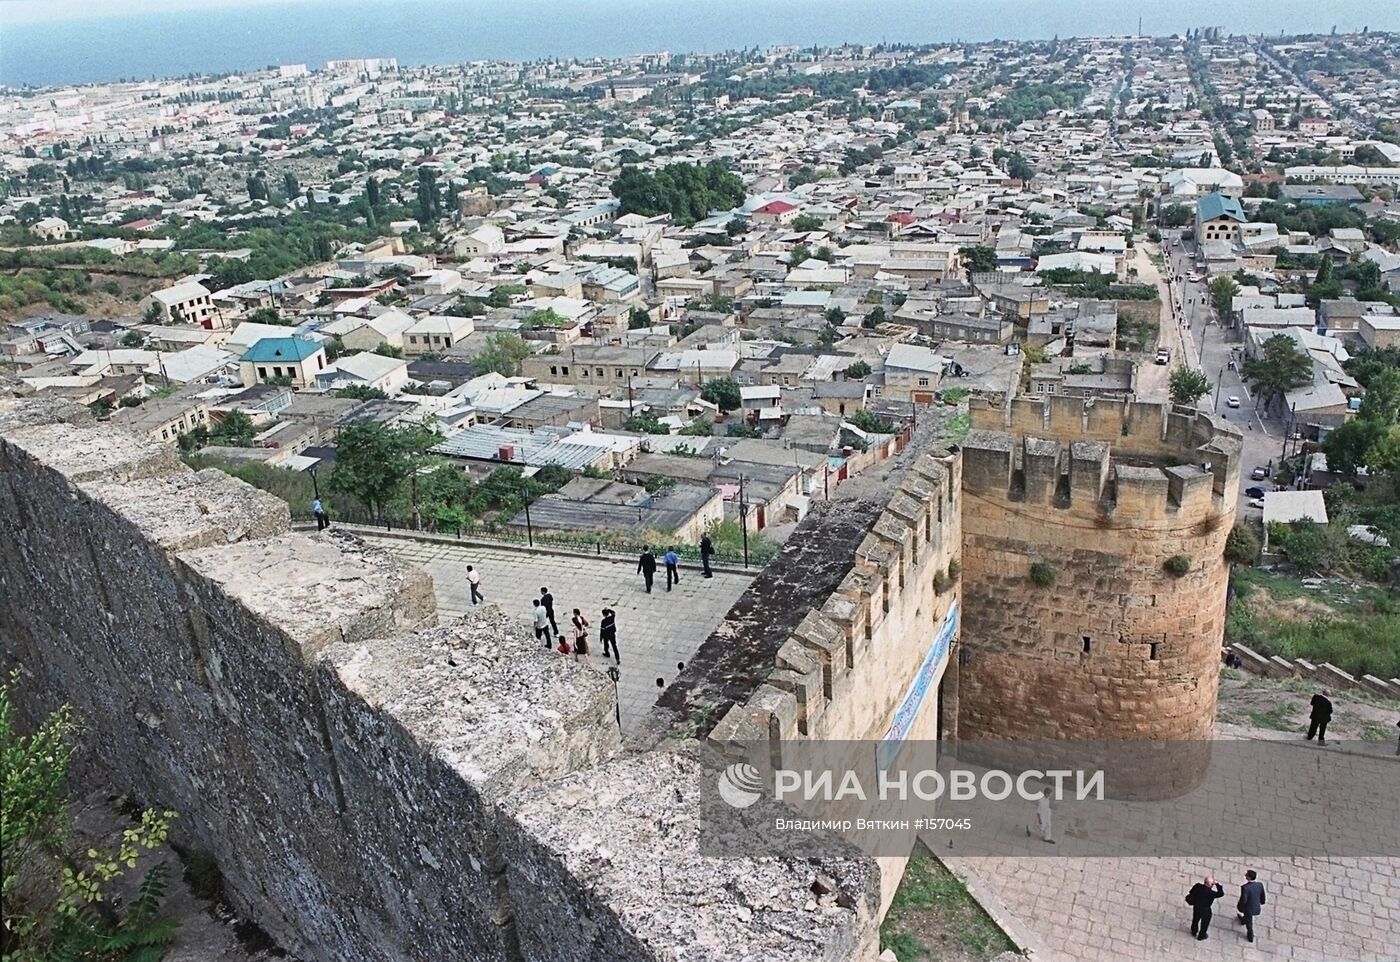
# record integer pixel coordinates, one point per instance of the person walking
(607, 630)
(474, 582)
(1251, 902)
(323, 520)
(1043, 817)
(673, 567)
(1202, 898)
(541, 623)
(580, 635)
(646, 566)
(547, 600)
(1319, 717)
(707, 550)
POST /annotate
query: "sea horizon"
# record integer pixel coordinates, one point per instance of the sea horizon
(245, 37)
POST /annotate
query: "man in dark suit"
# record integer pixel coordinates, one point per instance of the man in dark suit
(1251, 902)
(1321, 715)
(1202, 898)
(646, 567)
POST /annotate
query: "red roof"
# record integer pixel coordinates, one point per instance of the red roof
(776, 207)
(143, 224)
(900, 217)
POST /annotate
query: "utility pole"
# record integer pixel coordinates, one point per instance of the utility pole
(529, 529)
(744, 519)
(1219, 379)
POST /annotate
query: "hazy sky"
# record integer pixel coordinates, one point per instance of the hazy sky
(38, 11)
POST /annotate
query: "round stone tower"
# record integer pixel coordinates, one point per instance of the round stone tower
(1094, 577)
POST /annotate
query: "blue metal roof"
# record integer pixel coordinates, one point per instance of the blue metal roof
(1216, 205)
(281, 349)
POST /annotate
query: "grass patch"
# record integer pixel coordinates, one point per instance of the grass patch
(1354, 626)
(933, 917)
(1277, 719)
(1377, 733)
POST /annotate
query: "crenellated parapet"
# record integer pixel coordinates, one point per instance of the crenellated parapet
(881, 614)
(1095, 580)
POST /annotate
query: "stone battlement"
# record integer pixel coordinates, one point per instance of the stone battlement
(1104, 502)
(353, 766)
(1131, 462)
(815, 689)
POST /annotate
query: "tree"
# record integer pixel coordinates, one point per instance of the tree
(1381, 403)
(978, 259)
(645, 422)
(638, 317)
(268, 315)
(1187, 385)
(372, 460)
(372, 193)
(835, 315)
(875, 318)
(858, 371)
(1241, 545)
(1277, 369)
(1348, 445)
(290, 188)
(871, 423)
(234, 431)
(501, 355)
(133, 339)
(360, 392)
(385, 349)
(806, 222)
(1222, 294)
(723, 393)
(60, 899)
(688, 192)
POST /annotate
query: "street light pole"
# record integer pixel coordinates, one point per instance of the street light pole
(744, 519)
(529, 529)
(1219, 380)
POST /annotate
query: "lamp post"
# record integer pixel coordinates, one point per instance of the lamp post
(529, 529)
(616, 676)
(744, 519)
(315, 488)
(1218, 381)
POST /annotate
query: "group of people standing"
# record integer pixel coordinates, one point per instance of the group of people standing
(547, 630)
(1248, 907)
(646, 564)
(576, 643)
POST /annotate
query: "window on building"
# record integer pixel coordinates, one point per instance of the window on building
(923, 382)
(1088, 643)
(600, 372)
(564, 371)
(617, 372)
(553, 369)
(262, 372)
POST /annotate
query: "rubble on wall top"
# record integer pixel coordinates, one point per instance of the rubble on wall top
(641, 850)
(489, 701)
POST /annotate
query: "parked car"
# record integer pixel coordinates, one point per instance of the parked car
(1232, 401)
(1254, 492)
(1195, 277)
(1258, 474)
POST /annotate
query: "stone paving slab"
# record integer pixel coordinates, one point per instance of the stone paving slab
(655, 632)
(1131, 909)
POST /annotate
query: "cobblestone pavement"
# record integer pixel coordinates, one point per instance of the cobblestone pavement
(655, 632)
(1132, 909)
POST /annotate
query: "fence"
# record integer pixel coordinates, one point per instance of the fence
(595, 543)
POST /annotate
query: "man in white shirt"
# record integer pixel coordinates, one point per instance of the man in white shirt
(474, 580)
(542, 623)
(1043, 817)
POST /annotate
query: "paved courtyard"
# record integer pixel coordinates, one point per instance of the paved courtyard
(1121, 909)
(655, 632)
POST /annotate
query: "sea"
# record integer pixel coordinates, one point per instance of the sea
(210, 36)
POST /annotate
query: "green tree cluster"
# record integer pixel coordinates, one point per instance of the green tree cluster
(688, 192)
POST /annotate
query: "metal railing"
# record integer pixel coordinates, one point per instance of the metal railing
(594, 543)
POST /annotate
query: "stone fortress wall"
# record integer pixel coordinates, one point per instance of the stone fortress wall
(374, 786)
(378, 786)
(1103, 493)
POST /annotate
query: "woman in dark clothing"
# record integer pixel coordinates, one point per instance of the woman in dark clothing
(580, 636)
